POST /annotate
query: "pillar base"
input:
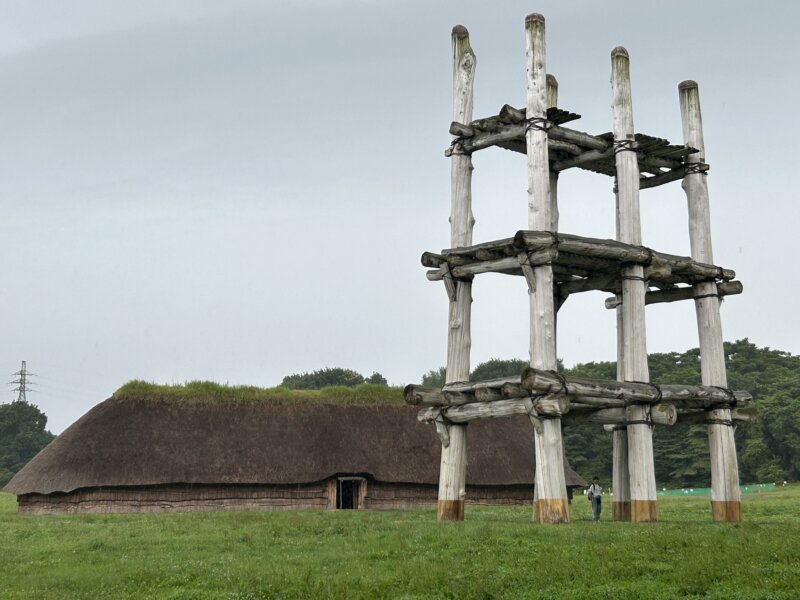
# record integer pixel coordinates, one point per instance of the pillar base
(726, 511)
(551, 511)
(644, 511)
(450, 510)
(621, 511)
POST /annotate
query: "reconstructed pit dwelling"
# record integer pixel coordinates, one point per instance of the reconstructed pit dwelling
(149, 452)
(556, 265)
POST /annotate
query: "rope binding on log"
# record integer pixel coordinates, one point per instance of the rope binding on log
(456, 149)
(538, 124)
(728, 394)
(625, 146)
(701, 296)
(696, 168)
(562, 380)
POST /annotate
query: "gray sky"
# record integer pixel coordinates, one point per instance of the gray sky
(240, 190)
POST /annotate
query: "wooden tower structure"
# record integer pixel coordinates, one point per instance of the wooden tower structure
(556, 265)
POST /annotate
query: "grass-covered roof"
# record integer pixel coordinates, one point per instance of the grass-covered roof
(208, 391)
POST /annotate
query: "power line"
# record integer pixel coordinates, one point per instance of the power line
(21, 382)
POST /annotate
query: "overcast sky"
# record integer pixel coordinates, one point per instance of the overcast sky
(239, 190)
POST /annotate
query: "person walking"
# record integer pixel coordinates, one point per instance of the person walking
(595, 495)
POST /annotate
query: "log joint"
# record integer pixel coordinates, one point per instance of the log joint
(538, 124)
(696, 168)
(456, 148)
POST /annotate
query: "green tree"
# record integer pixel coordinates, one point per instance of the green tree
(377, 379)
(22, 436)
(434, 378)
(323, 378)
(496, 368)
(780, 426)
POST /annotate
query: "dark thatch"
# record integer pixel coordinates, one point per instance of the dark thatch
(127, 441)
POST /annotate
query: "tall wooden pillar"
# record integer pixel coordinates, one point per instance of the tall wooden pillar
(552, 102)
(725, 492)
(550, 505)
(453, 466)
(640, 436)
(620, 476)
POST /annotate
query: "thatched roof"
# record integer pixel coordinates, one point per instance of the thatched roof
(127, 441)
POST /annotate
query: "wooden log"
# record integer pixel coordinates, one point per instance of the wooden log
(640, 440)
(725, 491)
(488, 394)
(660, 179)
(538, 381)
(580, 392)
(579, 279)
(580, 246)
(580, 138)
(702, 417)
(551, 504)
(727, 288)
(552, 102)
(416, 395)
(659, 414)
(510, 136)
(620, 474)
(619, 251)
(547, 406)
(461, 130)
(472, 386)
(499, 265)
(584, 158)
(480, 410)
(453, 466)
(514, 390)
(613, 281)
(509, 114)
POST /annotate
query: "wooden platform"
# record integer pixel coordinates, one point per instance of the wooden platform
(580, 264)
(659, 161)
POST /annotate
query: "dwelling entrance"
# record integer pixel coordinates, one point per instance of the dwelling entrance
(350, 492)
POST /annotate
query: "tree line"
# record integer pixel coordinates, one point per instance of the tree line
(23, 434)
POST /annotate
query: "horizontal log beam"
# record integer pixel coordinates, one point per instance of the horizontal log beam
(508, 264)
(548, 382)
(727, 288)
(702, 417)
(660, 414)
(548, 406)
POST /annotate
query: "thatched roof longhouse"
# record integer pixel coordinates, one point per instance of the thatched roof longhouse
(146, 441)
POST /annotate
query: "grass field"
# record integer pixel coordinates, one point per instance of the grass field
(495, 553)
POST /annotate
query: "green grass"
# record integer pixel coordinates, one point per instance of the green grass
(208, 391)
(495, 553)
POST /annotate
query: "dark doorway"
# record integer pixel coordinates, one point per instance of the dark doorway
(347, 493)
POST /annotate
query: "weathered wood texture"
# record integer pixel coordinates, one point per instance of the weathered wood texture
(579, 263)
(552, 102)
(727, 288)
(541, 406)
(551, 504)
(453, 466)
(549, 382)
(620, 474)
(640, 439)
(725, 492)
